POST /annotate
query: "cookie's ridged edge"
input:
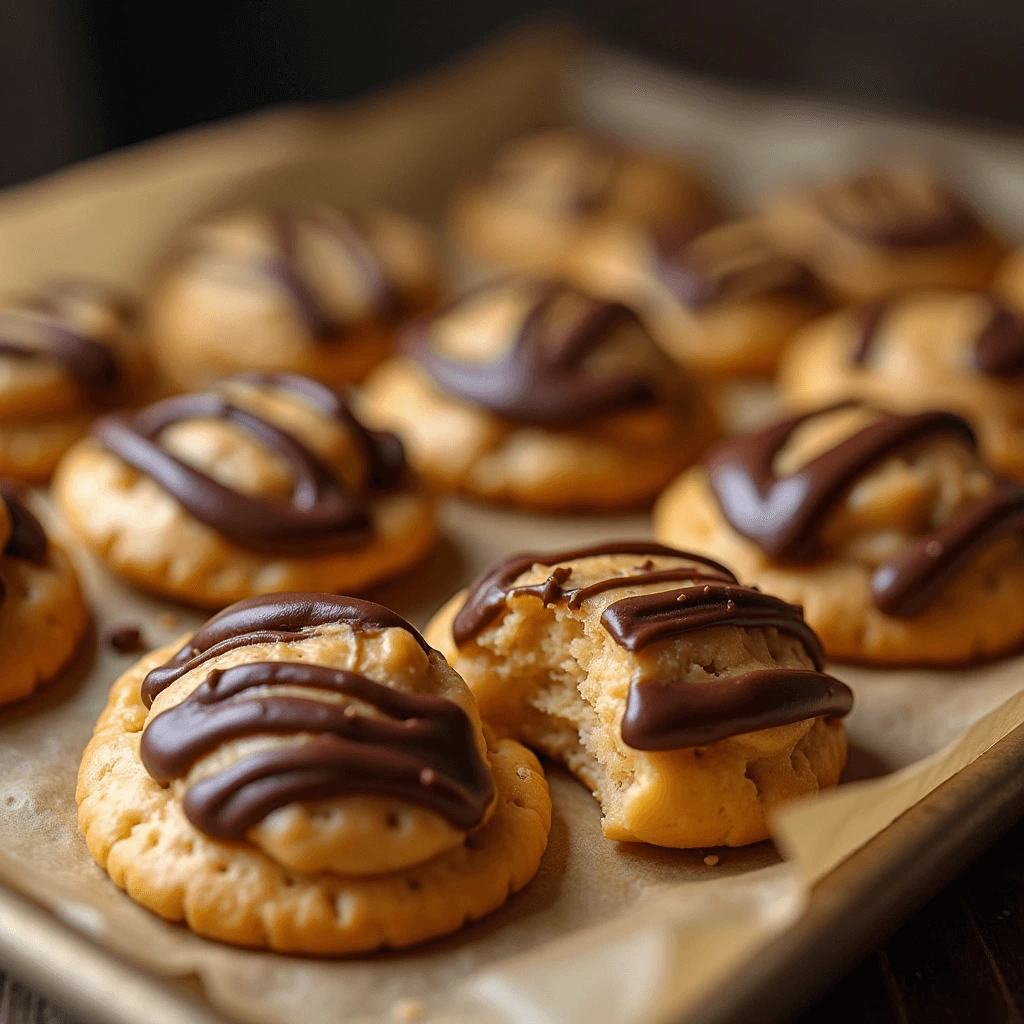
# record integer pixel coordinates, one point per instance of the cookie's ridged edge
(235, 893)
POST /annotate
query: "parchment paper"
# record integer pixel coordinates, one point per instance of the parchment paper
(609, 932)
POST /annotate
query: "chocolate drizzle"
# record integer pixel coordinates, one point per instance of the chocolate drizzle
(636, 622)
(782, 515)
(487, 596)
(999, 350)
(424, 750)
(880, 209)
(541, 379)
(321, 515)
(45, 320)
(700, 279)
(668, 714)
(284, 267)
(27, 539)
(868, 319)
(271, 619)
(908, 583)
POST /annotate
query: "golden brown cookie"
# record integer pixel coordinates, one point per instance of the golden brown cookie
(535, 394)
(306, 774)
(722, 302)
(899, 543)
(541, 192)
(300, 289)
(689, 705)
(921, 350)
(265, 483)
(67, 351)
(884, 230)
(42, 615)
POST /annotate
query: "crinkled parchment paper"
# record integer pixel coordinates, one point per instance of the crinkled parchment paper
(609, 932)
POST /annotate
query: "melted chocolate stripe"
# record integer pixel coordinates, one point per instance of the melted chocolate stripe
(424, 751)
(999, 350)
(783, 515)
(913, 579)
(667, 715)
(320, 516)
(869, 319)
(282, 269)
(886, 218)
(28, 538)
(384, 451)
(228, 804)
(274, 617)
(91, 363)
(489, 592)
(539, 380)
(638, 621)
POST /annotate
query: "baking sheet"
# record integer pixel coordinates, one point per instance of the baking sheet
(613, 932)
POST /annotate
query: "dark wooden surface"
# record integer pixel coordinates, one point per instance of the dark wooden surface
(960, 959)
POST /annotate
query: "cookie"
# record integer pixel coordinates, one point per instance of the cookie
(722, 302)
(266, 482)
(305, 290)
(897, 540)
(541, 192)
(306, 774)
(42, 615)
(688, 704)
(927, 349)
(535, 394)
(885, 230)
(67, 351)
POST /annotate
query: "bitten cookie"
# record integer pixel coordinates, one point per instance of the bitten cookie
(67, 351)
(922, 350)
(535, 394)
(306, 774)
(899, 543)
(689, 705)
(722, 302)
(301, 289)
(884, 230)
(42, 615)
(543, 191)
(265, 483)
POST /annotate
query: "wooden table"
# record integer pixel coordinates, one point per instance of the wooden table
(961, 958)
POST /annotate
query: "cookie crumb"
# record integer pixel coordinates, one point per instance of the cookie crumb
(711, 860)
(408, 1010)
(523, 772)
(125, 639)
(167, 620)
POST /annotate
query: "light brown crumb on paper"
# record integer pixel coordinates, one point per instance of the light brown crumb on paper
(711, 860)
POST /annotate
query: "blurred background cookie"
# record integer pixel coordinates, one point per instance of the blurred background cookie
(67, 351)
(921, 350)
(265, 483)
(42, 615)
(689, 705)
(723, 302)
(893, 227)
(302, 289)
(311, 777)
(535, 394)
(889, 530)
(528, 211)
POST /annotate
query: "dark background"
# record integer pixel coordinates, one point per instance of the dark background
(78, 77)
